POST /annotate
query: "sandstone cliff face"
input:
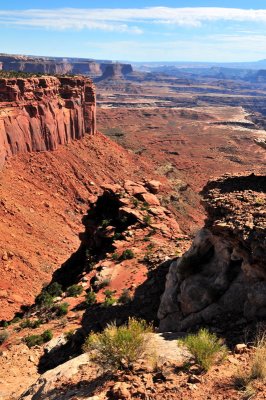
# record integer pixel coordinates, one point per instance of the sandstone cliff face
(59, 65)
(38, 114)
(223, 275)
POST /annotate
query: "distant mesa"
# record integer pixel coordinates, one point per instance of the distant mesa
(102, 69)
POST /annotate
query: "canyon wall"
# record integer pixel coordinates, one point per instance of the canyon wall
(221, 279)
(39, 113)
(57, 65)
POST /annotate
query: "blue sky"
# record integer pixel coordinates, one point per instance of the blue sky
(136, 30)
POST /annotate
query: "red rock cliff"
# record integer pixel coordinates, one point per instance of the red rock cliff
(38, 114)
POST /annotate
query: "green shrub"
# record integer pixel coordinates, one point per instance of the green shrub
(118, 347)
(37, 340)
(44, 299)
(47, 335)
(127, 255)
(125, 297)
(3, 336)
(105, 282)
(15, 320)
(90, 298)
(74, 290)
(147, 219)
(205, 347)
(55, 289)
(61, 309)
(108, 301)
(115, 256)
(27, 323)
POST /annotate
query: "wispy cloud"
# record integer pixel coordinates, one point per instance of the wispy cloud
(121, 19)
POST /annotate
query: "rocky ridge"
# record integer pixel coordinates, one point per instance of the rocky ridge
(221, 279)
(39, 113)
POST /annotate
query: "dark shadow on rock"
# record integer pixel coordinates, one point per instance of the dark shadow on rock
(253, 182)
(83, 389)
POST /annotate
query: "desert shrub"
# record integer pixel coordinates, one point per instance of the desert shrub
(15, 320)
(117, 347)
(109, 299)
(147, 219)
(258, 362)
(55, 289)
(90, 298)
(115, 256)
(127, 255)
(205, 347)
(105, 282)
(117, 236)
(61, 309)
(145, 206)
(27, 323)
(3, 336)
(74, 290)
(135, 202)
(125, 297)
(47, 335)
(37, 340)
(44, 299)
(108, 302)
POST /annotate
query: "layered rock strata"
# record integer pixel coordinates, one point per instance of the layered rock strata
(39, 113)
(59, 65)
(223, 274)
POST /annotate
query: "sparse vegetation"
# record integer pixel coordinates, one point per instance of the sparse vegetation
(90, 298)
(125, 297)
(115, 256)
(205, 347)
(127, 254)
(118, 347)
(105, 282)
(61, 309)
(109, 299)
(74, 290)
(27, 323)
(37, 340)
(258, 364)
(55, 289)
(44, 299)
(147, 219)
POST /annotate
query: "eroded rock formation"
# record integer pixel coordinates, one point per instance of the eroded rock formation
(223, 275)
(39, 113)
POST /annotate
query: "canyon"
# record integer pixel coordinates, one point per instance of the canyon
(121, 206)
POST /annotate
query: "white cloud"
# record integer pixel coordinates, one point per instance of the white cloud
(120, 19)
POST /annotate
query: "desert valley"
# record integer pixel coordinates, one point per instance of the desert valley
(131, 193)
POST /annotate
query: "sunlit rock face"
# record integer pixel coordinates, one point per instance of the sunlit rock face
(39, 113)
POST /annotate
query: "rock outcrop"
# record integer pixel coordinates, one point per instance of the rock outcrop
(39, 113)
(222, 276)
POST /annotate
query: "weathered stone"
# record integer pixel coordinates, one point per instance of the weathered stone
(223, 273)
